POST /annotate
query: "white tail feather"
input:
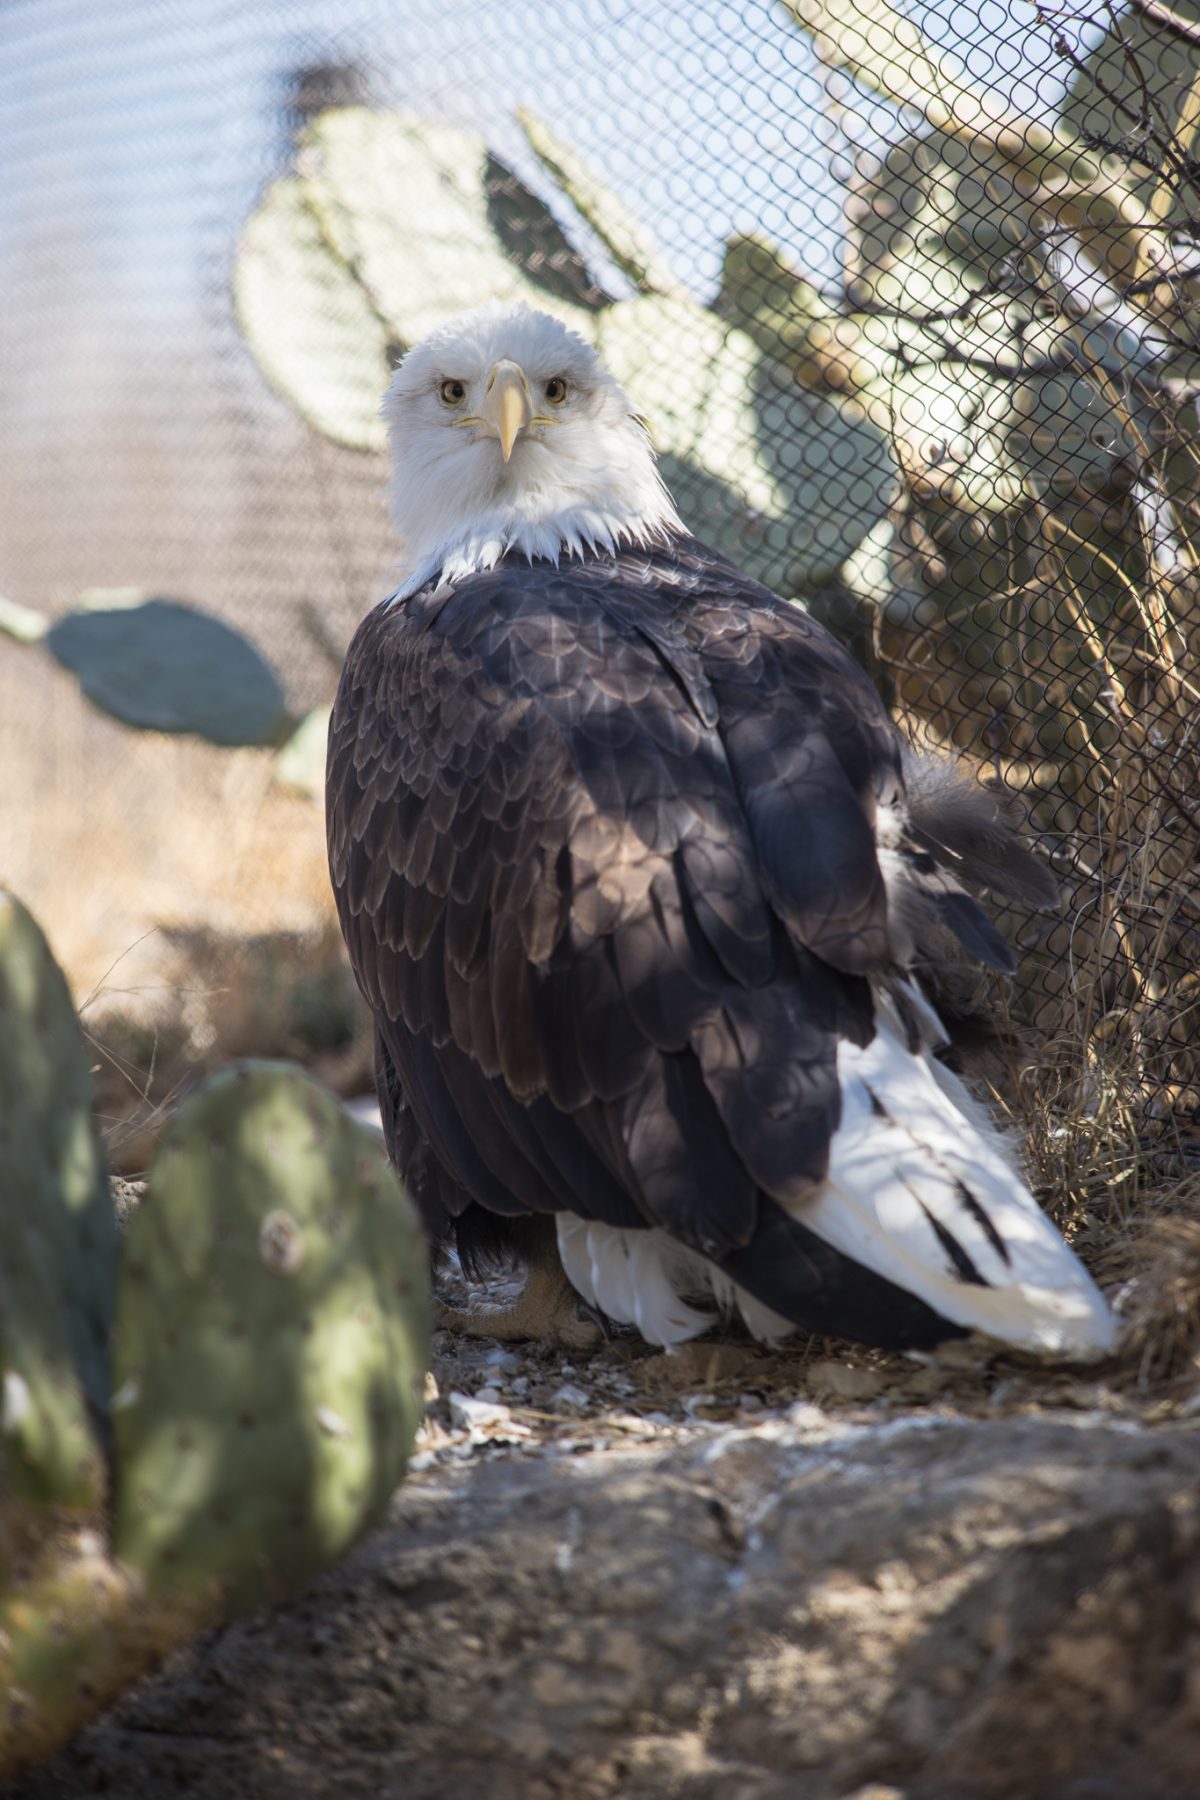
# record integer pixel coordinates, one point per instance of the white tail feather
(919, 1189)
(628, 1275)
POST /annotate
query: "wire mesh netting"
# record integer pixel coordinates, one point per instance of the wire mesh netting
(906, 293)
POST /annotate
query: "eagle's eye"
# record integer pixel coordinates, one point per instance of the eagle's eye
(452, 393)
(556, 390)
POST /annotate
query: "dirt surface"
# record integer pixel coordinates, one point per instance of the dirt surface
(719, 1575)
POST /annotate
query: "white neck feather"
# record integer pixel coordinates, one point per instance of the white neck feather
(460, 514)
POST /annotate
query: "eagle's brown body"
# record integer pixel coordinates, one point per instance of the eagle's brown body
(604, 840)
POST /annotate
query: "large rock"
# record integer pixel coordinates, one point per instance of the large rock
(806, 1608)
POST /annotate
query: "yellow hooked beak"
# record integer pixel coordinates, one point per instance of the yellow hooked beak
(507, 407)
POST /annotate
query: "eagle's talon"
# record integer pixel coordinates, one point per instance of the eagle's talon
(547, 1309)
(586, 1311)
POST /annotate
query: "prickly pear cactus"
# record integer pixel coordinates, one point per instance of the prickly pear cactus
(1044, 470)
(165, 666)
(271, 1311)
(272, 1323)
(58, 1239)
(1107, 93)
(390, 225)
(745, 451)
(624, 237)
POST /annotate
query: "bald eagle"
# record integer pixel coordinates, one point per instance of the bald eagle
(639, 887)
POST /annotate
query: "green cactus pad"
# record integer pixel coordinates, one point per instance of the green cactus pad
(767, 299)
(1075, 431)
(949, 208)
(937, 218)
(531, 237)
(996, 407)
(747, 453)
(168, 667)
(272, 1327)
(21, 622)
(942, 387)
(73, 1631)
(309, 323)
(887, 53)
(626, 240)
(58, 1238)
(300, 763)
(404, 202)
(1108, 88)
(792, 322)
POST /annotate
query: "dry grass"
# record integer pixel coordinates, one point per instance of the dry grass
(223, 996)
(1161, 1302)
(186, 896)
(1071, 651)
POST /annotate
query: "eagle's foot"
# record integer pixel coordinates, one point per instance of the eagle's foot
(547, 1307)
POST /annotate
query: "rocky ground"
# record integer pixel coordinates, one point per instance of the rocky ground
(722, 1574)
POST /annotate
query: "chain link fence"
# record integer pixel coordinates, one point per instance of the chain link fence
(906, 293)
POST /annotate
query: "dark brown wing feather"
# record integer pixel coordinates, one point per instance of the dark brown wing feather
(965, 824)
(601, 838)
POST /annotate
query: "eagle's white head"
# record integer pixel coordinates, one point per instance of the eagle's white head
(508, 433)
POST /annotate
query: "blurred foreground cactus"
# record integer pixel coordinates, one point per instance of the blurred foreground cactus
(267, 1319)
